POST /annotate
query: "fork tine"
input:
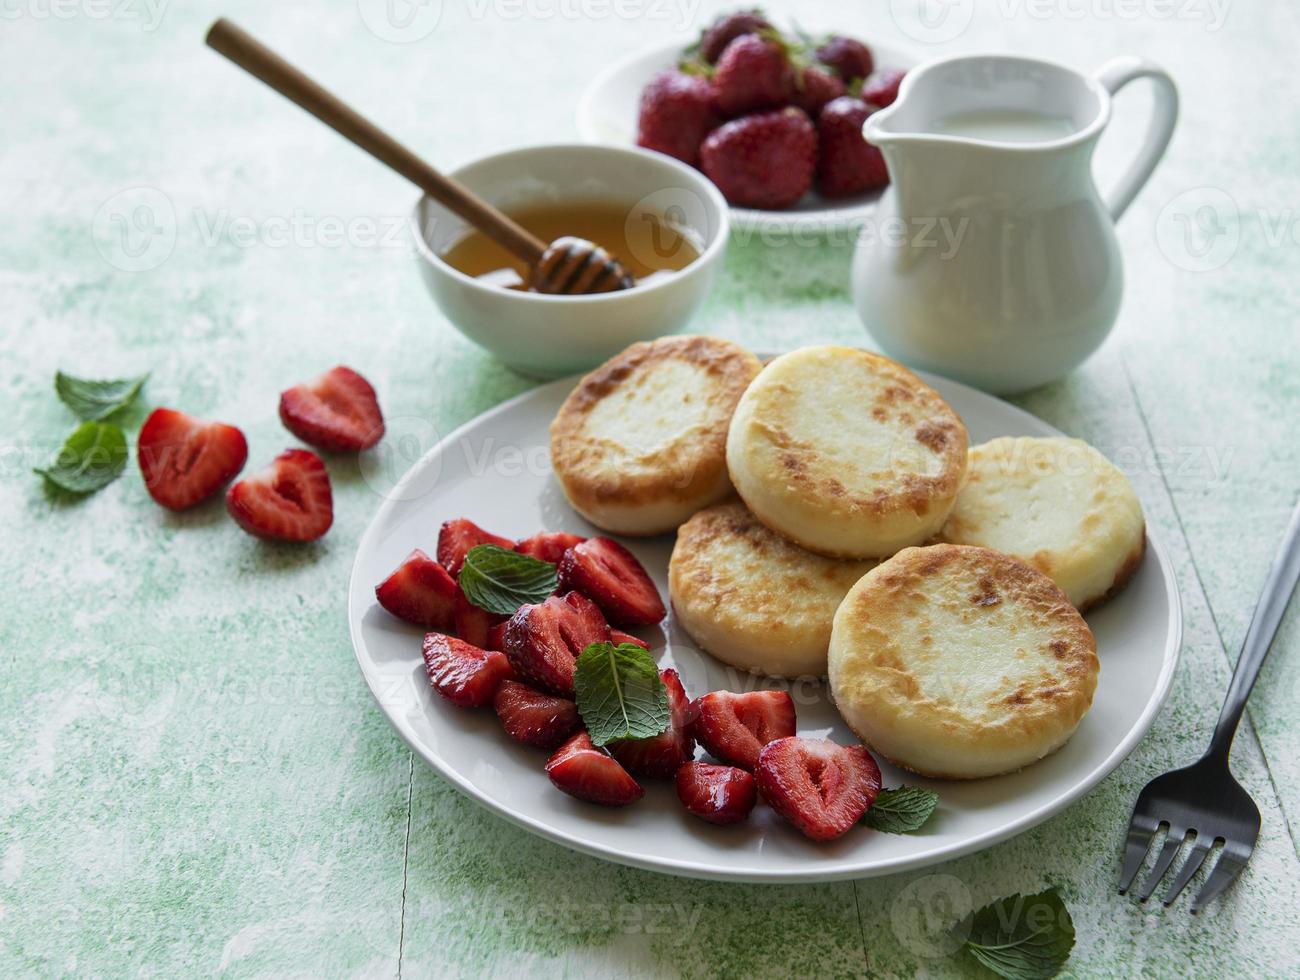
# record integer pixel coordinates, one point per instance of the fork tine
(1232, 859)
(1167, 854)
(1140, 831)
(1195, 858)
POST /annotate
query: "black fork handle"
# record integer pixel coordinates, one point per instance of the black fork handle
(1259, 637)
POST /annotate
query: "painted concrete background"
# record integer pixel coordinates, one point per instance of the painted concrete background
(193, 778)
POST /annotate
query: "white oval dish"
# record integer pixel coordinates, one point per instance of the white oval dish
(607, 113)
(495, 470)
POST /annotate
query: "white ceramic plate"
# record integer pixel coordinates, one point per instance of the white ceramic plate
(608, 110)
(495, 470)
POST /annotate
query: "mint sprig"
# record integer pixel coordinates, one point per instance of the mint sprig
(500, 580)
(901, 810)
(619, 693)
(94, 401)
(1022, 937)
(91, 458)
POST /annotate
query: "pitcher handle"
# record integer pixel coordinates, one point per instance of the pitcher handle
(1113, 76)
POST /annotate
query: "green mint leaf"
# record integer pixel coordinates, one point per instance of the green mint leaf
(91, 458)
(1024, 937)
(901, 810)
(500, 580)
(619, 693)
(95, 401)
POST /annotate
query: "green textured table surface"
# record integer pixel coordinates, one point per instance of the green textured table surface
(193, 777)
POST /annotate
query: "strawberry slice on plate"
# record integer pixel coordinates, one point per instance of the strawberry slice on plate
(661, 756)
(608, 574)
(820, 787)
(290, 500)
(419, 591)
(548, 545)
(534, 718)
(618, 636)
(337, 412)
(582, 770)
(733, 728)
(543, 640)
(461, 672)
(475, 625)
(718, 794)
(455, 538)
(185, 460)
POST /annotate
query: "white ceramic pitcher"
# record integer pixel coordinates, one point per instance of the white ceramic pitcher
(992, 257)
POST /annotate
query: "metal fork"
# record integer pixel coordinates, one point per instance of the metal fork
(1203, 801)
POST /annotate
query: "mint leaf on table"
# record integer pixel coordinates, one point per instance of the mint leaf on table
(95, 401)
(1023, 937)
(901, 810)
(90, 459)
(619, 693)
(500, 580)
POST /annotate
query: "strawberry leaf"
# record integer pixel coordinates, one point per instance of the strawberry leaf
(95, 401)
(619, 693)
(500, 580)
(91, 458)
(901, 810)
(1023, 937)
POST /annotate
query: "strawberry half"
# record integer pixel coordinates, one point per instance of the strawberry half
(733, 728)
(718, 794)
(472, 624)
(820, 787)
(543, 640)
(661, 756)
(455, 538)
(609, 575)
(185, 460)
(461, 672)
(618, 636)
(290, 500)
(337, 412)
(419, 591)
(548, 545)
(534, 718)
(582, 770)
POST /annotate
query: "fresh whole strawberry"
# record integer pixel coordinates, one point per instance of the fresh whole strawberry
(472, 624)
(582, 770)
(881, 89)
(762, 161)
(337, 412)
(548, 545)
(461, 672)
(851, 59)
(455, 538)
(677, 112)
(419, 591)
(726, 29)
(815, 87)
(753, 73)
(846, 162)
(544, 640)
(733, 728)
(185, 460)
(533, 718)
(718, 794)
(608, 574)
(820, 787)
(290, 500)
(618, 636)
(661, 756)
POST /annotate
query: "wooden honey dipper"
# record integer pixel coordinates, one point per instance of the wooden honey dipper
(568, 265)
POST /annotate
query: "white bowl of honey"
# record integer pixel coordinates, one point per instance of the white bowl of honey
(663, 220)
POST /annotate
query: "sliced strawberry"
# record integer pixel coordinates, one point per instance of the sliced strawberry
(534, 718)
(661, 756)
(548, 545)
(461, 672)
(185, 460)
(543, 640)
(419, 591)
(496, 636)
(820, 787)
(582, 770)
(289, 500)
(608, 574)
(472, 624)
(733, 728)
(337, 412)
(455, 538)
(618, 636)
(718, 794)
